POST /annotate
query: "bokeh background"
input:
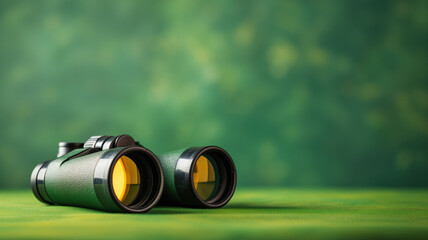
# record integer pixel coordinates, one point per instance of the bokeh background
(301, 93)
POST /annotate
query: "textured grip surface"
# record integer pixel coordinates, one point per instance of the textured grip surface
(168, 162)
(71, 182)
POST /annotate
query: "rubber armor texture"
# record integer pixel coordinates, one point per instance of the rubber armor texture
(71, 182)
(168, 162)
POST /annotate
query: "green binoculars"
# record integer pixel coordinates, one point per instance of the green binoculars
(117, 174)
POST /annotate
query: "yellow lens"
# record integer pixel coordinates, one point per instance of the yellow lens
(204, 178)
(126, 180)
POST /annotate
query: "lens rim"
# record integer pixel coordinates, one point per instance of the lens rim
(184, 177)
(148, 163)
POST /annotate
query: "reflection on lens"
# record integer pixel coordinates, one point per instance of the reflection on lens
(126, 180)
(206, 178)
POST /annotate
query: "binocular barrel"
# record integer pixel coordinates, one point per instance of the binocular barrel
(118, 179)
(200, 177)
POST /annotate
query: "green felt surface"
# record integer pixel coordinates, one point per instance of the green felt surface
(252, 213)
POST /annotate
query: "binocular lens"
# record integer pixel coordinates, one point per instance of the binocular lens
(126, 180)
(206, 177)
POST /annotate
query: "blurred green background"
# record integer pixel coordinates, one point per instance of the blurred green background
(301, 93)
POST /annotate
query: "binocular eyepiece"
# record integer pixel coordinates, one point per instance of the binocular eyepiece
(117, 174)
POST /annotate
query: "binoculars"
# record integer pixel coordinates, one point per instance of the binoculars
(118, 174)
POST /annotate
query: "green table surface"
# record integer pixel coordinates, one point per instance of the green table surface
(252, 213)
